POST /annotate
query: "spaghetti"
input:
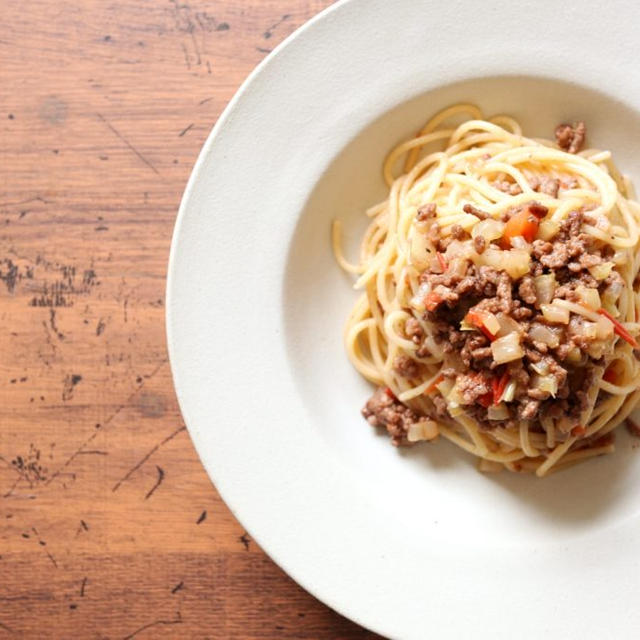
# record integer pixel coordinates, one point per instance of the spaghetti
(499, 303)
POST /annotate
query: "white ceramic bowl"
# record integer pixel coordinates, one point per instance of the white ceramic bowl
(414, 543)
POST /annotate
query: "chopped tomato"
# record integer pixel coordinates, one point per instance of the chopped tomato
(434, 384)
(610, 375)
(578, 431)
(499, 385)
(476, 317)
(443, 261)
(524, 223)
(486, 400)
(390, 393)
(432, 300)
(619, 329)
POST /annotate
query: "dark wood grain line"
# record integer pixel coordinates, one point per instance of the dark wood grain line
(185, 130)
(43, 544)
(155, 623)
(107, 422)
(9, 493)
(129, 145)
(135, 467)
(157, 483)
(16, 203)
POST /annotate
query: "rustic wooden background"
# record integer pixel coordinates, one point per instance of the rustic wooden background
(109, 526)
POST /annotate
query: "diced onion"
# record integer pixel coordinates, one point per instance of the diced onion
(552, 313)
(620, 257)
(509, 391)
(516, 262)
(518, 242)
(546, 383)
(601, 271)
(490, 321)
(604, 328)
(423, 430)
(586, 329)
(589, 297)
(498, 412)
(540, 333)
(421, 251)
(489, 229)
(460, 249)
(545, 288)
(458, 267)
(507, 348)
(574, 355)
(492, 257)
(454, 397)
(417, 302)
(579, 309)
(507, 325)
(548, 229)
(541, 367)
(611, 295)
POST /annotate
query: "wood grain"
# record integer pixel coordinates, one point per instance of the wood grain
(109, 527)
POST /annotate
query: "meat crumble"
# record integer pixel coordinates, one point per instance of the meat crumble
(569, 137)
(472, 304)
(383, 409)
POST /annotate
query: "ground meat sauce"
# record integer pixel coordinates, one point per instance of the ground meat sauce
(478, 213)
(407, 367)
(512, 188)
(385, 410)
(570, 138)
(567, 256)
(550, 186)
(414, 330)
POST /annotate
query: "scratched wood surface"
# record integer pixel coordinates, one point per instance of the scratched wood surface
(109, 527)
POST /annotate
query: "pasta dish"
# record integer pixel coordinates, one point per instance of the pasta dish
(499, 305)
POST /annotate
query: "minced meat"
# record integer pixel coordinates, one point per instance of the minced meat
(384, 410)
(570, 138)
(407, 367)
(570, 254)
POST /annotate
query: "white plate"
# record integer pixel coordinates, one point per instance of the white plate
(416, 543)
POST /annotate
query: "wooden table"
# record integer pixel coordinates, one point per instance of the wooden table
(109, 526)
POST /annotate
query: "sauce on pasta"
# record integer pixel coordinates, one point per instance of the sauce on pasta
(499, 305)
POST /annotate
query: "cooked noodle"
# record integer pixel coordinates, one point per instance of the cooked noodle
(489, 164)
